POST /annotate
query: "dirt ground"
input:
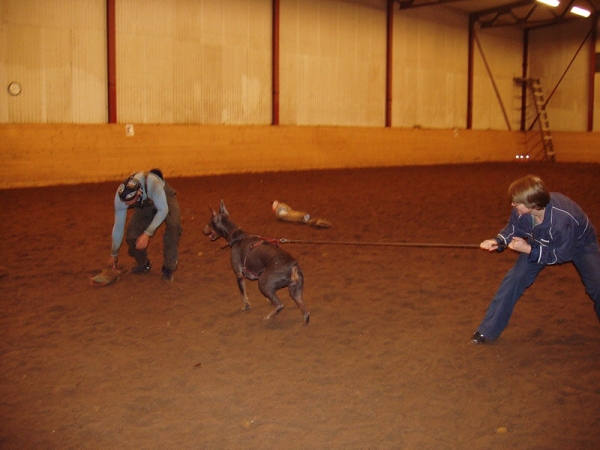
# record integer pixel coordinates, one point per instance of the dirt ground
(385, 362)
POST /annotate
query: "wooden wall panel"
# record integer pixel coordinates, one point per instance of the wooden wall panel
(40, 155)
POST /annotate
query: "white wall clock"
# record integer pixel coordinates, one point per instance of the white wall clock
(14, 88)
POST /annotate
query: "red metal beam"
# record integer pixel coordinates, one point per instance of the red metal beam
(275, 64)
(592, 71)
(524, 75)
(470, 72)
(111, 60)
(389, 63)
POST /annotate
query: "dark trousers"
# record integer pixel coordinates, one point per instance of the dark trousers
(141, 219)
(523, 274)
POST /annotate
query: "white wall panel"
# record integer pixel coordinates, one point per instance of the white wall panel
(333, 62)
(209, 61)
(552, 50)
(56, 50)
(502, 49)
(429, 87)
(181, 61)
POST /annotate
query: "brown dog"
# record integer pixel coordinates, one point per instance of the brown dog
(258, 258)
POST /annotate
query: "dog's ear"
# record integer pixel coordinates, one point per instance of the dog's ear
(223, 209)
(214, 213)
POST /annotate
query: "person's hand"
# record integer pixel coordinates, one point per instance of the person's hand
(491, 245)
(142, 241)
(112, 262)
(519, 245)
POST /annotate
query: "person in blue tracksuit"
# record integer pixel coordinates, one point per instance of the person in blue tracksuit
(545, 228)
(153, 202)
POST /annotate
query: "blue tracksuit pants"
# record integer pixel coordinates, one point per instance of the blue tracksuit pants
(523, 274)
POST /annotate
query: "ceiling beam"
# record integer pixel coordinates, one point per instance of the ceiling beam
(521, 13)
(406, 4)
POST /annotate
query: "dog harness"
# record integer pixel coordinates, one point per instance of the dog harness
(231, 241)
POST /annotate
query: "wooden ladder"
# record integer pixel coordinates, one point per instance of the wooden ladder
(541, 117)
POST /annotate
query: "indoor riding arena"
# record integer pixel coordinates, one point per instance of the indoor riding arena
(399, 124)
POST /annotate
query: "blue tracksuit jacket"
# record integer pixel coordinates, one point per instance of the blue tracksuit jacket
(564, 230)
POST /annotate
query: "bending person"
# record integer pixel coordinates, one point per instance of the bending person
(153, 202)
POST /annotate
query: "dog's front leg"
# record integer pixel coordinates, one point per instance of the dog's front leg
(242, 285)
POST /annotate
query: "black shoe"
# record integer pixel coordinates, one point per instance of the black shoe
(166, 274)
(142, 269)
(478, 338)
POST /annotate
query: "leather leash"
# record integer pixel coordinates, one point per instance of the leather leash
(380, 244)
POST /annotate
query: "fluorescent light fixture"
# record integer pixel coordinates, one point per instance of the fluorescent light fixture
(580, 11)
(553, 3)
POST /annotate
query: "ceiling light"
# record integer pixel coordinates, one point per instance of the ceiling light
(553, 3)
(580, 11)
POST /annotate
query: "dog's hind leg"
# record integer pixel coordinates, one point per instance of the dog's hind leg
(242, 287)
(269, 287)
(296, 287)
(278, 307)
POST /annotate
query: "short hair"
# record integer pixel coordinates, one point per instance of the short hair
(530, 191)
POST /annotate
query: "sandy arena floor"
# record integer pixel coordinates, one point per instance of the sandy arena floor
(385, 362)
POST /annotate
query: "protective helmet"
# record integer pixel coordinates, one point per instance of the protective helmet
(128, 188)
